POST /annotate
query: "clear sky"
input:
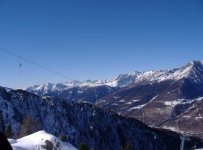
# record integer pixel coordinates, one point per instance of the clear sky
(96, 39)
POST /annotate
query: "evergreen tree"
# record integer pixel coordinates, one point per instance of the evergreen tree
(122, 148)
(192, 148)
(63, 138)
(83, 147)
(8, 131)
(1, 122)
(129, 146)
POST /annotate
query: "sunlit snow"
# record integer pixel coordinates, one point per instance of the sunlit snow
(38, 140)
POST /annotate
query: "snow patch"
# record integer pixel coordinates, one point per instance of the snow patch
(114, 104)
(122, 101)
(172, 103)
(129, 103)
(171, 128)
(38, 140)
(136, 100)
(137, 107)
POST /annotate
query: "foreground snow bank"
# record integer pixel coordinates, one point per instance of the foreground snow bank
(40, 141)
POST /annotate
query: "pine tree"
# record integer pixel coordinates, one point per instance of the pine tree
(8, 131)
(83, 146)
(192, 148)
(122, 148)
(129, 146)
(63, 138)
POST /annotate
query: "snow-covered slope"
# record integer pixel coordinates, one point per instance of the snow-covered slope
(40, 141)
(176, 74)
(161, 96)
(187, 71)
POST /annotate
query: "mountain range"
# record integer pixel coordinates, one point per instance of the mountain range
(24, 113)
(169, 99)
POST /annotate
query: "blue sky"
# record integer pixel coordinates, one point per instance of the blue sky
(96, 39)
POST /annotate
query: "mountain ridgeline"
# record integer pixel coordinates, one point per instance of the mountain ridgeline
(78, 123)
(167, 99)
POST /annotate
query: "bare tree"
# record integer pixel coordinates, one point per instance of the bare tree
(29, 126)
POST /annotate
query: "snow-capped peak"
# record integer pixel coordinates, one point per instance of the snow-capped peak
(175, 74)
(194, 64)
(193, 69)
(123, 79)
(119, 81)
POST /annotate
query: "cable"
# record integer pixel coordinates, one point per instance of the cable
(36, 64)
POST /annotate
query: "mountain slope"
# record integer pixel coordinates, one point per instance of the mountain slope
(160, 97)
(80, 122)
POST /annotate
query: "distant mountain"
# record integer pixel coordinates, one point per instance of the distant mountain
(121, 81)
(159, 98)
(83, 91)
(27, 113)
(156, 98)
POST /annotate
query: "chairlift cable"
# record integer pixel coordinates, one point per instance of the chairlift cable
(36, 64)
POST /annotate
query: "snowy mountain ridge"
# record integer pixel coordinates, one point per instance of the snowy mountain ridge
(175, 74)
(189, 70)
(120, 81)
(170, 98)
